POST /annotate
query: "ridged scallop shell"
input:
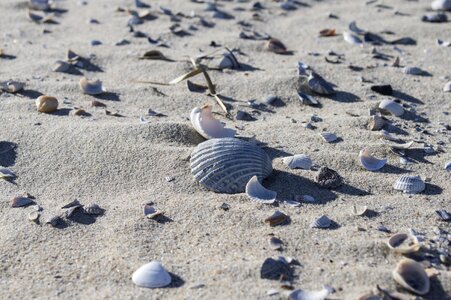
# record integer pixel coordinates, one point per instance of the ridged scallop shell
(410, 184)
(403, 243)
(257, 192)
(321, 222)
(207, 126)
(392, 107)
(441, 5)
(369, 162)
(46, 104)
(351, 38)
(319, 85)
(298, 161)
(151, 275)
(376, 123)
(411, 275)
(91, 87)
(226, 165)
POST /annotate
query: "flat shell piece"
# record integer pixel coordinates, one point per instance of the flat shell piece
(411, 276)
(328, 136)
(328, 178)
(403, 243)
(277, 218)
(391, 107)
(311, 295)
(151, 212)
(21, 201)
(321, 222)
(257, 192)
(298, 161)
(91, 87)
(410, 184)
(93, 209)
(369, 162)
(206, 125)
(151, 275)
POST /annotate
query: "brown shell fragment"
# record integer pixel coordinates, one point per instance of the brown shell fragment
(276, 46)
(96, 103)
(276, 218)
(328, 32)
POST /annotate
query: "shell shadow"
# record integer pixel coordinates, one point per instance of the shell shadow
(432, 189)
(411, 116)
(394, 129)
(89, 66)
(62, 112)
(176, 282)
(248, 68)
(162, 219)
(110, 96)
(352, 191)
(342, 96)
(82, 218)
(436, 291)
(8, 56)
(388, 168)
(406, 97)
(417, 155)
(32, 94)
(8, 153)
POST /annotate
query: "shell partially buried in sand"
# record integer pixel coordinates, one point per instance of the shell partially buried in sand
(46, 104)
(226, 165)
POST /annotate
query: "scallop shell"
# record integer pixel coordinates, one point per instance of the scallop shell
(93, 209)
(411, 275)
(321, 222)
(60, 66)
(46, 104)
(91, 87)
(319, 85)
(257, 192)
(207, 126)
(351, 38)
(403, 243)
(151, 275)
(20, 201)
(311, 295)
(369, 162)
(307, 99)
(376, 123)
(447, 87)
(328, 136)
(392, 107)
(298, 161)
(276, 218)
(410, 184)
(226, 165)
(441, 5)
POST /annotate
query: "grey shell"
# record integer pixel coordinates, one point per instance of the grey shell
(226, 165)
(410, 184)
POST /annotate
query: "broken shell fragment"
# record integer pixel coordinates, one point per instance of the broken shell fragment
(54, 221)
(391, 107)
(151, 275)
(33, 216)
(276, 46)
(7, 174)
(369, 162)
(93, 209)
(376, 123)
(328, 136)
(328, 178)
(91, 87)
(12, 86)
(319, 85)
(307, 99)
(277, 218)
(275, 243)
(351, 38)
(410, 184)
(257, 192)
(411, 275)
(151, 212)
(403, 243)
(298, 161)
(447, 87)
(321, 222)
(207, 126)
(46, 104)
(60, 66)
(20, 201)
(359, 210)
(311, 295)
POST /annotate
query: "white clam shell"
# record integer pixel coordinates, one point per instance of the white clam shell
(410, 184)
(328, 136)
(311, 295)
(257, 192)
(151, 275)
(207, 126)
(447, 87)
(298, 161)
(351, 38)
(448, 166)
(91, 87)
(392, 107)
(403, 243)
(369, 162)
(412, 276)
(441, 5)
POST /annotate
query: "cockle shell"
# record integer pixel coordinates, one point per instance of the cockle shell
(376, 123)
(46, 104)
(151, 275)
(321, 222)
(257, 192)
(392, 107)
(441, 5)
(20, 201)
(298, 161)
(33, 216)
(207, 126)
(319, 85)
(403, 243)
(328, 136)
(351, 38)
(226, 165)
(311, 295)
(411, 275)
(410, 184)
(93, 209)
(369, 162)
(91, 87)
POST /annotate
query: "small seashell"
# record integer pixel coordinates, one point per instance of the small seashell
(411, 275)
(443, 215)
(369, 162)
(54, 221)
(307, 99)
(298, 161)
(207, 126)
(226, 165)
(34, 17)
(320, 86)
(151, 212)
(93, 209)
(311, 295)
(443, 43)
(391, 107)
(448, 166)
(228, 61)
(328, 32)
(256, 192)
(434, 18)
(277, 218)
(441, 5)
(154, 55)
(46, 104)
(91, 87)
(376, 123)
(328, 136)
(359, 211)
(33, 216)
(7, 174)
(275, 243)
(95, 103)
(60, 66)
(71, 204)
(328, 178)
(151, 275)
(403, 243)
(72, 57)
(413, 71)
(20, 201)
(447, 87)
(351, 38)
(321, 222)
(276, 46)
(12, 86)
(410, 184)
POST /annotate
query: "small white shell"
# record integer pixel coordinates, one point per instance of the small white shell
(441, 5)
(46, 104)
(403, 243)
(311, 295)
(328, 136)
(257, 192)
(448, 166)
(351, 38)
(298, 161)
(410, 184)
(151, 275)
(91, 87)
(321, 222)
(447, 87)
(12, 86)
(369, 162)
(359, 211)
(392, 107)
(33, 216)
(376, 123)
(207, 126)
(151, 212)
(411, 275)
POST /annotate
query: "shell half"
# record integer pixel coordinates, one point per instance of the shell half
(403, 243)
(257, 192)
(391, 107)
(298, 161)
(369, 162)
(411, 275)
(151, 275)
(410, 184)
(207, 126)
